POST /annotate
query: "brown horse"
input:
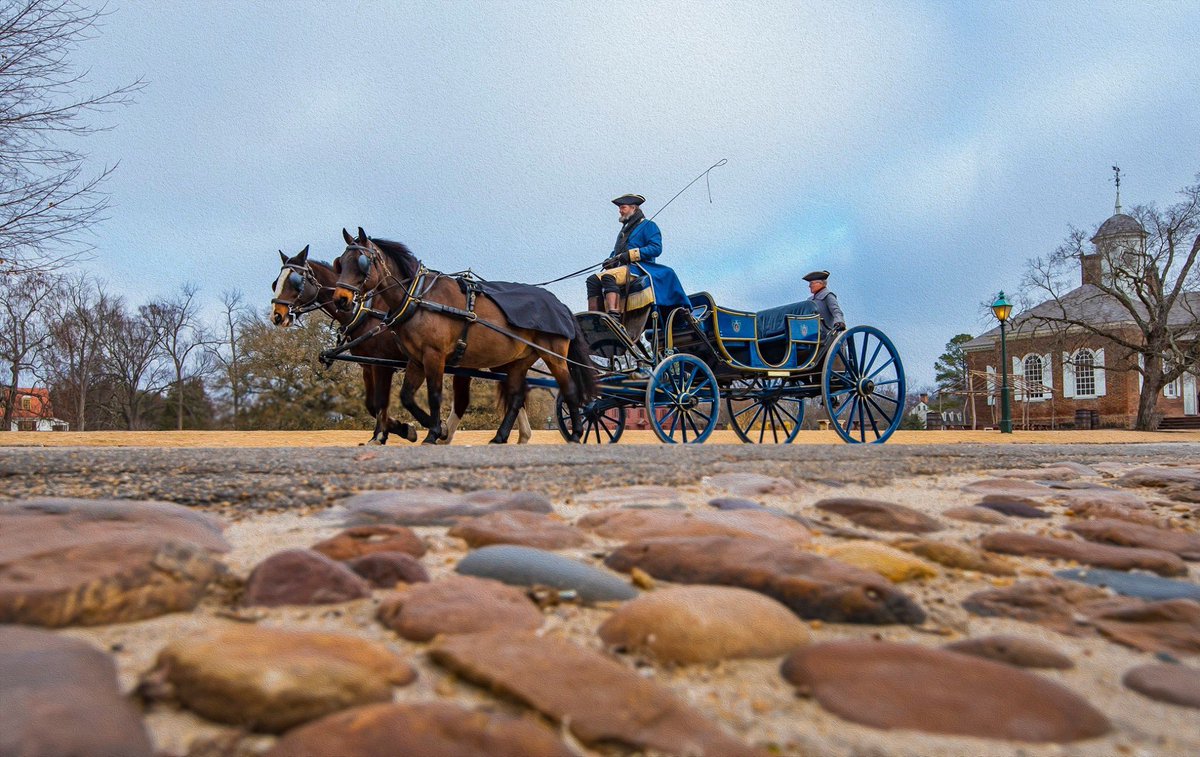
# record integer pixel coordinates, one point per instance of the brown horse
(304, 285)
(431, 335)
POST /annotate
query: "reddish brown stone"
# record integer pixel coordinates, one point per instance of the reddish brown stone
(954, 555)
(629, 525)
(1126, 534)
(59, 696)
(518, 527)
(1105, 510)
(364, 540)
(599, 699)
(1015, 507)
(1170, 626)
(302, 577)
(384, 570)
(750, 484)
(1021, 651)
(975, 515)
(83, 562)
(905, 686)
(1174, 684)
(1060, 605)
(1181, 484)
(456, 605)
(811, 586)
(1086, 553)
(434, 729)
(268, 679)
(880, 515)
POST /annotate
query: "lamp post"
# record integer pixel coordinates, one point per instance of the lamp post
(1002, 308)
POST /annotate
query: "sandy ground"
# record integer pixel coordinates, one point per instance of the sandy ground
(469, 438)
(748, 697)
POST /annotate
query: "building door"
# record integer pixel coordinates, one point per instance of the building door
(1189, 394)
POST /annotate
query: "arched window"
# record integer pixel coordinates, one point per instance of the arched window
(1033, 377)
(1085, 373)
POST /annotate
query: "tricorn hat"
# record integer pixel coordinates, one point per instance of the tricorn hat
(629, 200)
(817, 276)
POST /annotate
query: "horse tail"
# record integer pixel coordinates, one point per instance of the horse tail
(579, 356)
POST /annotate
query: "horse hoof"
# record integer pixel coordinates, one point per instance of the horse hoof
(497, 440)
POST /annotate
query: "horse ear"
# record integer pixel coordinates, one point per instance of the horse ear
(303, 256)
(362, 235)
(282, 256)
(346, 235)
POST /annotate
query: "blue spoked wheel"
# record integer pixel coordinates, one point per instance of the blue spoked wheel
(682, 400)
(603, 421)
(761, 411)
(862, 384)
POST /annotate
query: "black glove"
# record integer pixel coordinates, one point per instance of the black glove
(624, 258)
(610, 263)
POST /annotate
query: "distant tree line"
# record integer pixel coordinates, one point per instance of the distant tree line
(169, 365)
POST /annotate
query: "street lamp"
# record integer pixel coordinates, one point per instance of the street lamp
(1002, 308)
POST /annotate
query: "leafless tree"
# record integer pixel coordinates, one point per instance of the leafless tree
(228, 352)
(133, 365)
(184, 341)
(47, 194)
(25, 304)
(73, 358)
(1146, 300)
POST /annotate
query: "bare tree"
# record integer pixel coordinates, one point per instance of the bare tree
(184, 341)
(1143, 296)
(25, 302)
(228, 352)
(47, 196)
(73, 358)
(133, 365)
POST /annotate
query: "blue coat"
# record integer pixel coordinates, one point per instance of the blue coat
(647, 240)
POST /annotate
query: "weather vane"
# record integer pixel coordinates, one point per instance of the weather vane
(1117, 179)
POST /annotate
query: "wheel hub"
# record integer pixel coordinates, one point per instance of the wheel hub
(866, 387)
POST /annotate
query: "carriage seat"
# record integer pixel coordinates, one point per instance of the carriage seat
(772, 322)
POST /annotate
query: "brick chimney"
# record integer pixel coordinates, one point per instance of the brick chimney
(1089, 269)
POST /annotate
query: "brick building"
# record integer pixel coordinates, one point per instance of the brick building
(33, 411)
(1068, 377)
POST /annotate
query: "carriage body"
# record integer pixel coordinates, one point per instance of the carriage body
(767, 366)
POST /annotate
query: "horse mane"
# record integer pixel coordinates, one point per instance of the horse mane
(400, 255)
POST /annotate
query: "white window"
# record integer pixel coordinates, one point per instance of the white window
(1085, 374)
(27, 403)
(992, 388)
(1171, 390)
(1033, 377)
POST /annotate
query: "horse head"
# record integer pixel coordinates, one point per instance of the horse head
(362, 270)
(295, 288)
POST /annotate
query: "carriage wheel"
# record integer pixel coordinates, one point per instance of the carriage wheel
(769, 416)
(862, 384)
(603, 423)
(682, 400)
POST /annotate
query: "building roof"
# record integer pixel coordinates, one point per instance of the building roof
(1117, 225)
(1085, 303)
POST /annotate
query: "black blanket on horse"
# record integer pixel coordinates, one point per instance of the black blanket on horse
(529, 307)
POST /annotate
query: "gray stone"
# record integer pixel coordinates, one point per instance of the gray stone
(435, 507)
(1139, 585)
(749, 484)
(525, 566)
(59, 697)
(1016, 507)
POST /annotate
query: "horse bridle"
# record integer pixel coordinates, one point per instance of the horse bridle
(300, 277)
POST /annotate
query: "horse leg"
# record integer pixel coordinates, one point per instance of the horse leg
(512, 397)
(413, 377)
(434, 364)
(462, 399)
(570, 392)
(383, 397)
(524, 430)
(370, 399)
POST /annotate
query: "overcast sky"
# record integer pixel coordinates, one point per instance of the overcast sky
(919, 151)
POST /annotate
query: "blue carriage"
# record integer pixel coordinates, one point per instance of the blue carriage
(679, 364)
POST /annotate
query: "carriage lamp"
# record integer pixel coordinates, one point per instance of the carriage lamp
(1002, 308)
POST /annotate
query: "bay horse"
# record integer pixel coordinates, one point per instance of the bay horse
(439, 320)
(299, 289)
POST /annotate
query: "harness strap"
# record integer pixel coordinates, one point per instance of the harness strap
(470, 289)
